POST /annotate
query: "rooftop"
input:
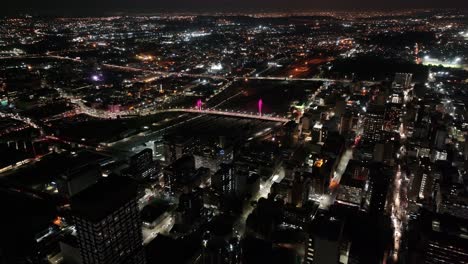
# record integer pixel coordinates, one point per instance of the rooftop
(103, 198)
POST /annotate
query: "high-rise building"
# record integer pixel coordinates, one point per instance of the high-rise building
(211, 156)
(108, 223)
(422, 180)
(176, 146)
(180, 174)
(402, 81)
(231, 180)
(324, 241)
(319, 132)
(294, 192)
(26, 220)
(158, 148)
(354, 184)
(451, 196)
(190, 207)
(222, 181)
(305, 123)
(392, 117)
(78, 179)
(218, 250)
(438, 239)
(142, 159)
(384, 152)
(239, 178)
(376, 194)
(142, 165)
(373, 123)
(69, 249)
(440, 138)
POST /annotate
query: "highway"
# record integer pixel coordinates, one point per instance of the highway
(182, 74)
(26, 120)
(156, 74)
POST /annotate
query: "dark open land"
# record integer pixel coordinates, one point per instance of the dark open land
(277, 96)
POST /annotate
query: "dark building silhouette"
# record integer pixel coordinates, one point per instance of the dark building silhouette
(142, 165)
(436, 238)
(108, 223)
(325, 238)
(176, 146)
(222, 181)
(26, 217)
(78, 179)
(376, 196)
(190, 207)
(180, 174)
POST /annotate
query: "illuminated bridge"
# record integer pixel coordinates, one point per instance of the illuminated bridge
(273, 78)
(231, 114)
(105, 114)
(82, 108)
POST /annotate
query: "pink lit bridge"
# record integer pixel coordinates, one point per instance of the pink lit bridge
(229, 114)
(196, 110)
(260, 116)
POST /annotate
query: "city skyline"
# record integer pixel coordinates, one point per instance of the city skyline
(135, 136)
(109, 7)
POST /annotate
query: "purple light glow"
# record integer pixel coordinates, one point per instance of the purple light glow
(260, 106)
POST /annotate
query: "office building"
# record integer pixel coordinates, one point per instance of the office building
(108, 223)
(176, 146)
(392, 117)
(354, 184)
(180, 174)
(142, 166)
(373, 123)
(440, 138)
(438, 239)
(77, 179)
(190, 207)
(319, 133)
(377, 189)
(324, 240)
(212, 155)
(222, 181)
(402, 81)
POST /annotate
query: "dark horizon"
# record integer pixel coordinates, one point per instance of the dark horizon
(109, 7)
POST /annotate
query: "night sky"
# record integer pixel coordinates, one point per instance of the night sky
(106, 6)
